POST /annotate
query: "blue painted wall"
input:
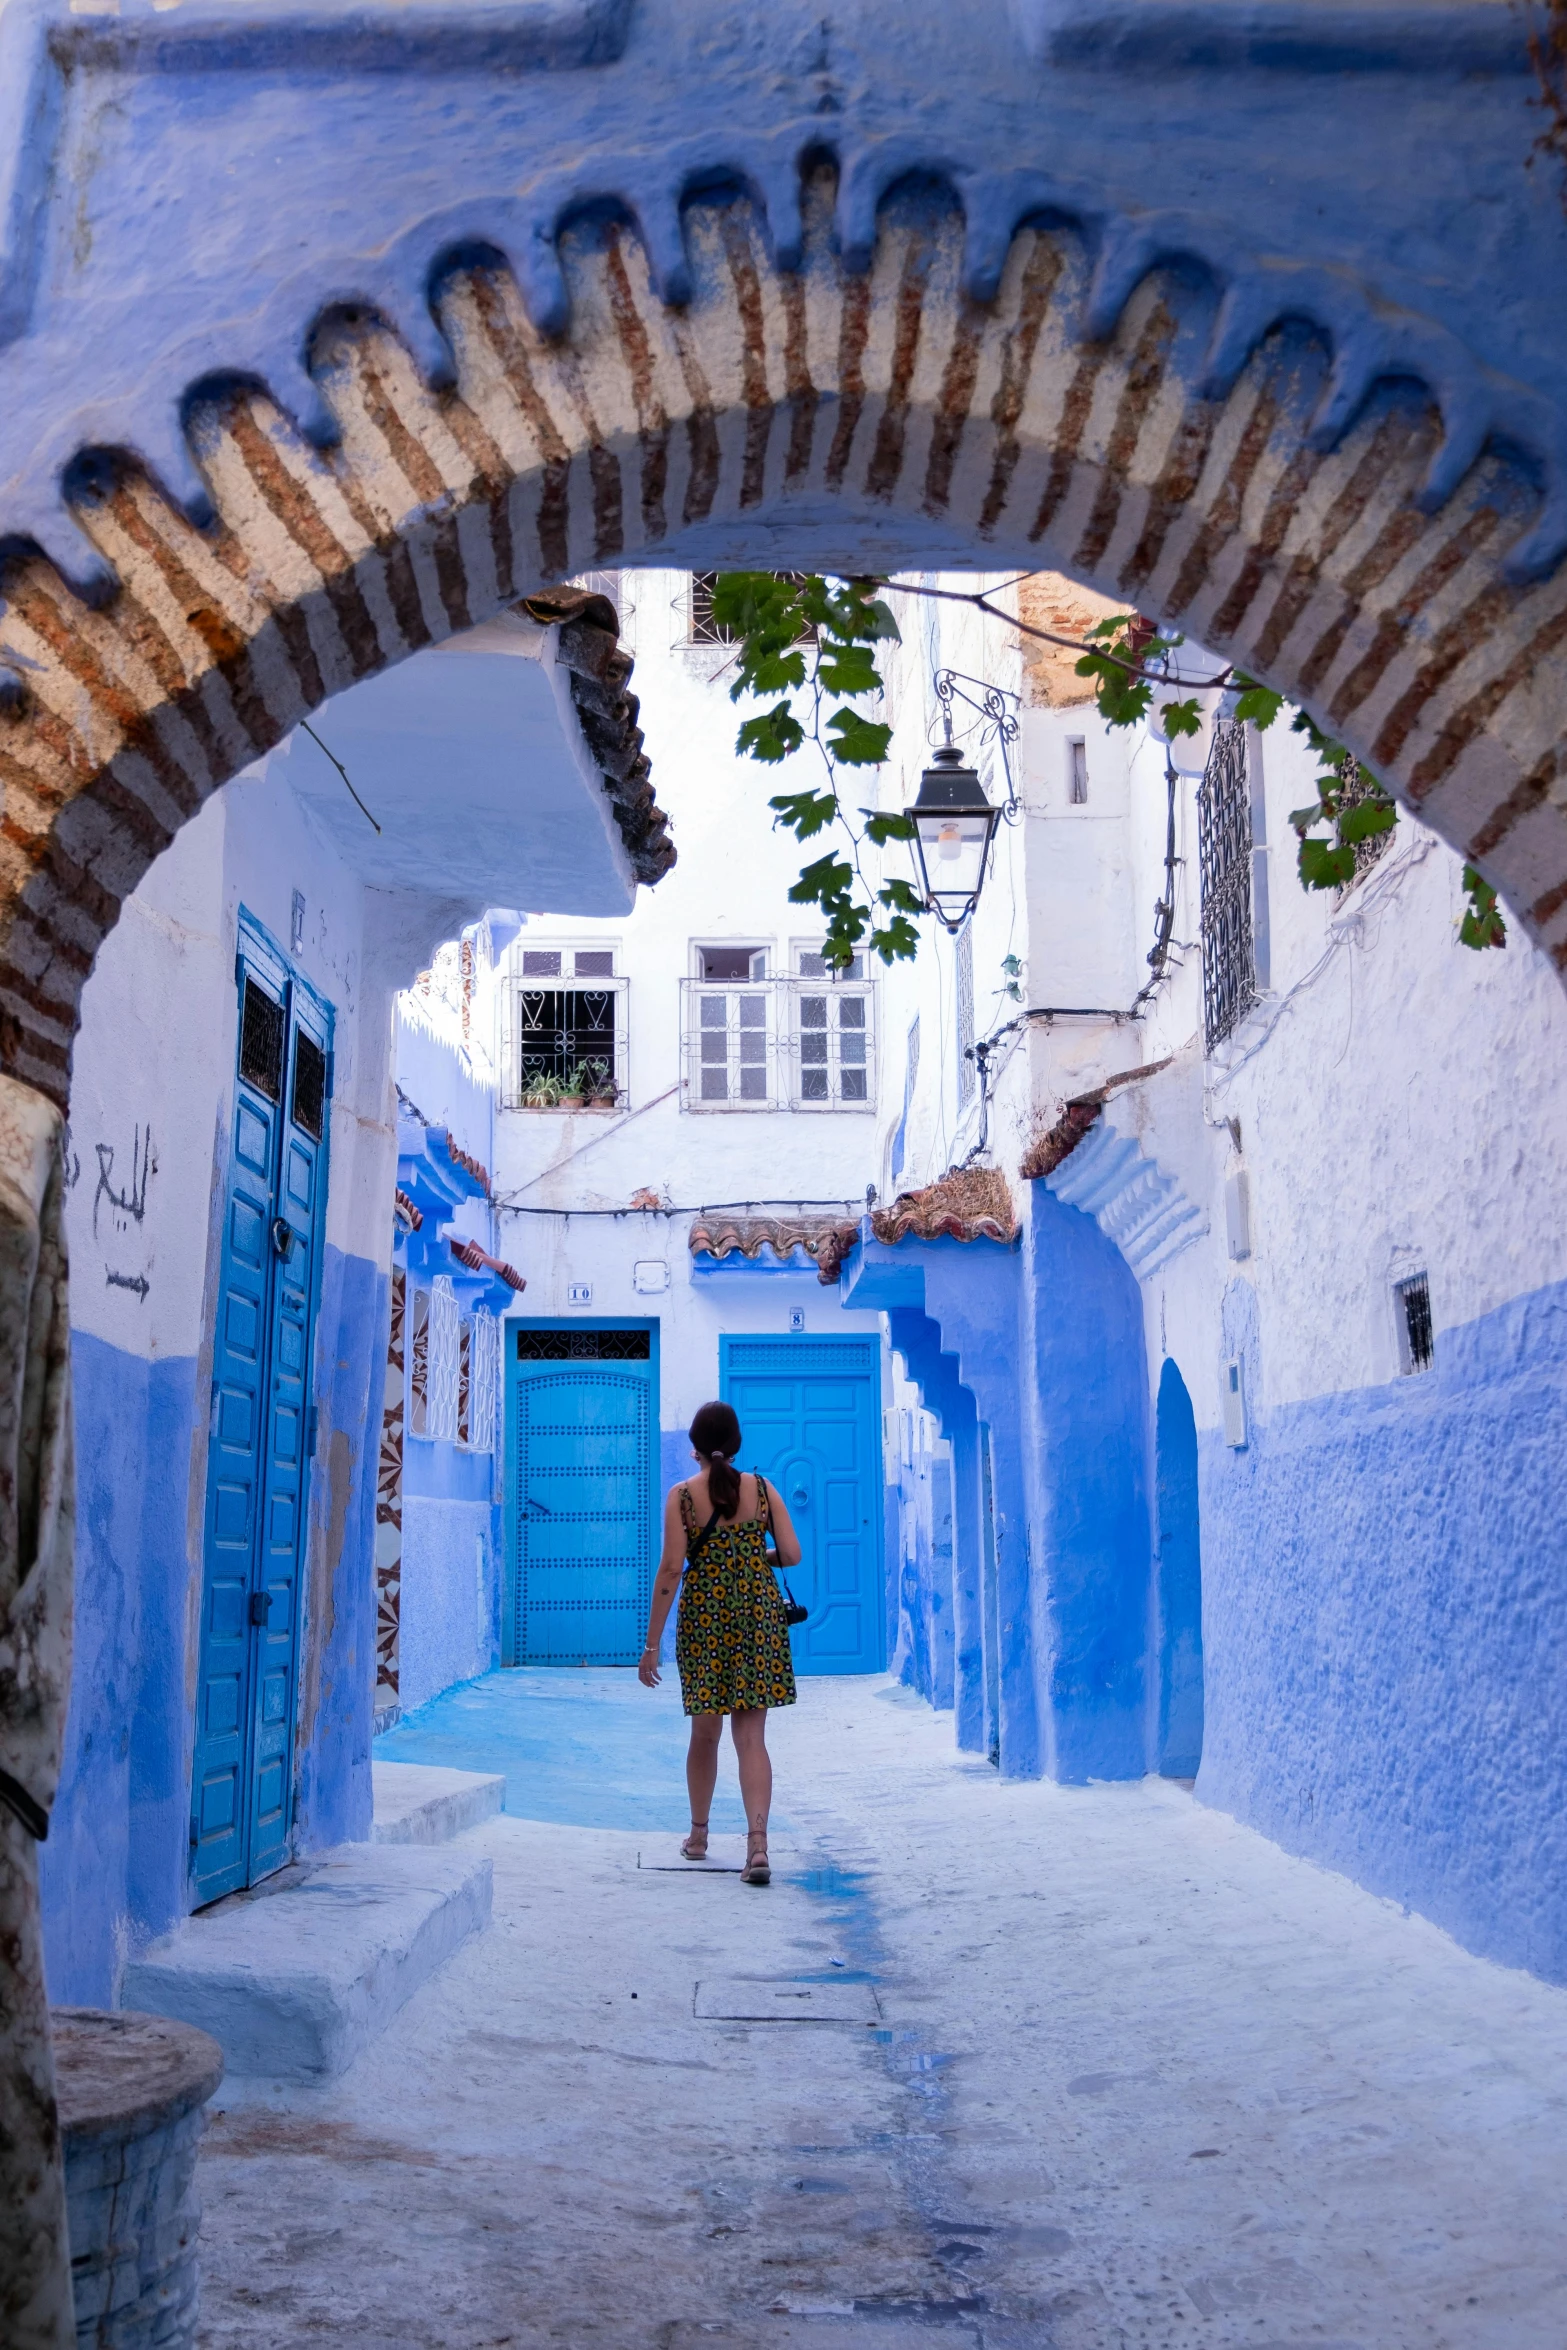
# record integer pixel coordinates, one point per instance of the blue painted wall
(114, 1865)
(1177, 1630)
(1385, 1605)
(1088, 1492)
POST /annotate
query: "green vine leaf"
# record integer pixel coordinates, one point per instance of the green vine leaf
(1482, 925)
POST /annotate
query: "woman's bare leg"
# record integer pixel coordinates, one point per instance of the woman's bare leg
(749, 1732)
(702, 1765)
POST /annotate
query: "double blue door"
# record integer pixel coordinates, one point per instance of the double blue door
(582, 1406)
(261, 1433)
(810, 1413)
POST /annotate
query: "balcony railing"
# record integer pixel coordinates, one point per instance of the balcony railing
(778, 1044)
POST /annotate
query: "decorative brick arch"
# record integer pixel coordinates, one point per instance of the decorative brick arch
(856, 417)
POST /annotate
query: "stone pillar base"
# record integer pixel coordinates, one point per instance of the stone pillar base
(131, 2089)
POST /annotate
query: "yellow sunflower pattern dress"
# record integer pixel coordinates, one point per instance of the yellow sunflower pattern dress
(731, 1643)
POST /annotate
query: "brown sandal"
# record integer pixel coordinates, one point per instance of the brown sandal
(757, 1870)
(698, 1828)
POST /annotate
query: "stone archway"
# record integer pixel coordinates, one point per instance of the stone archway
(823, 413)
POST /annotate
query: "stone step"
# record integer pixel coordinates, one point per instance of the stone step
(292, 1983)
(418, 1803)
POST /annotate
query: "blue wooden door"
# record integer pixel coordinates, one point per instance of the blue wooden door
(582, 1407)
(260, 1438)
(810, 1416)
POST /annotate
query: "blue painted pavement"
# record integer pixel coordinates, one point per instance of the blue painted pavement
(583, 1747)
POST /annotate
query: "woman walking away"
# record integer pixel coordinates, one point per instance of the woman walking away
(732, 1645)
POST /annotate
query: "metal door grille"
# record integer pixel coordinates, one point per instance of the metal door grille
(1229, 966)
(584, 1346)
(309, 1085)
(262, 1027)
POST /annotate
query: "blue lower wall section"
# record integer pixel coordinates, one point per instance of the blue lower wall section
(113, 1868)
(1385, 1633)
(449, 1613)
(333, 1801)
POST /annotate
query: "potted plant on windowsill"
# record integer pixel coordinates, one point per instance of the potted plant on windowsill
(573, 1088)
(603, 1092)
(541, 1093)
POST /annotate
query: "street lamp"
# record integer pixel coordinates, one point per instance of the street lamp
(953, 827)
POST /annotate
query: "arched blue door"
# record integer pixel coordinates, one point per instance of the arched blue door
(1180, 1580)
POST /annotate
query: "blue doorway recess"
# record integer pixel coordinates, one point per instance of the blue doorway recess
(810, 1416)
(581, 1412)
(1180, 1579)
(262, 1425)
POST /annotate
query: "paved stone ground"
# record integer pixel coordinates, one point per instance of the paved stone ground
(1138, 2079)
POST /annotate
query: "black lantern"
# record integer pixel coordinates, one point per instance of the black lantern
(953, 826)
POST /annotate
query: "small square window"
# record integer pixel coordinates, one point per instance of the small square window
(813, 1049)
(715, 1085)
(851, 1051)
(853, 1084)
(753, 1046)
(596, 963)
(813, 1085)
(753, 1011)
(851, 1012)
(753, 1085)
(1077, 773)
(813, 1011)
(715, 1046)
(537, 963)
(715, 1011)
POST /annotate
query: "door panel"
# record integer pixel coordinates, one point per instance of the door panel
(257, 1470)
(582, 1505)
(810, 1412)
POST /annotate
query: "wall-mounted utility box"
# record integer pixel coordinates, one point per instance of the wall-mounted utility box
(649, 1275)
(1234, 1398)
(1237, 1214)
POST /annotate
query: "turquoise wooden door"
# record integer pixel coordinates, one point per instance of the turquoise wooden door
(260, 1430)
(582, 1406)
(810, 1416)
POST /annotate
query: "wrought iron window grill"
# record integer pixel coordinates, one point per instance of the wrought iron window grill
(1416, 1338)
(566, 1035)
(584, 1346)
(803, 1042)
(1353, 790)
(1229, 965)
(445, 1341)
(484, 1383)
(704, 629)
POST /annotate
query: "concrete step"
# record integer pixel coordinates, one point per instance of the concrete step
(417, 1803)
(292, 1983)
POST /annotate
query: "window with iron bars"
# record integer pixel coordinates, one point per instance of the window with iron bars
(1229, 963)
(705, 630)
(569, 1040)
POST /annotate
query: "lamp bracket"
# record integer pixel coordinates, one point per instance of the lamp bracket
(991, 703)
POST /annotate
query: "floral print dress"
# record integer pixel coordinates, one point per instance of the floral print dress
(731, 1643)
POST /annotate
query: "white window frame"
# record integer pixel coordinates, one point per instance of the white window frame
(699, 1027)
(806, 991)
(519, 983)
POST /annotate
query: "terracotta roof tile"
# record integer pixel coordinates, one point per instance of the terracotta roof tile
(970, 1203)
(477, 1260)
(827, 1240)
(410, 1217)
(1078, 1117)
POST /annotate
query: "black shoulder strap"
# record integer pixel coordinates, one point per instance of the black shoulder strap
(695, 1551)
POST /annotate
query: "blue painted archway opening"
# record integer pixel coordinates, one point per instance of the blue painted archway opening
(1178, 1579)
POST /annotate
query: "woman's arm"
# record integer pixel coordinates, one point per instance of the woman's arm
(785, 1539)
(671, 1566)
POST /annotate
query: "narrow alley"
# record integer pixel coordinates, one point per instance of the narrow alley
(1113, 2070)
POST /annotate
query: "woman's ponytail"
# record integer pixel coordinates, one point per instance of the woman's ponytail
(715, 1437)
